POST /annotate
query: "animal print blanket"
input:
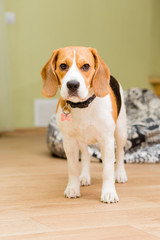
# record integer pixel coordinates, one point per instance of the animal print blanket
(143, 127)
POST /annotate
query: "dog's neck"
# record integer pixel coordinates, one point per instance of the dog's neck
(84, 104)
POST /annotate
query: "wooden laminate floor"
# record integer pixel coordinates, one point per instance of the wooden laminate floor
(32, 206)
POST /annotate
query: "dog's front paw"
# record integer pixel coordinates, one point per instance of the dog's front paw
(85, 180)
(72, 192)
(109, 196)
(121, 176)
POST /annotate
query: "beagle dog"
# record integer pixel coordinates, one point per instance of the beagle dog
(90, 110)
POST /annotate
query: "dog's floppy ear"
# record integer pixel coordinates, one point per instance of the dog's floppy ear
(101, 78)
(50, 81)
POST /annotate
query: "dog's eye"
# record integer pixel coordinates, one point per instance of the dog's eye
(85, 67)
(63, 66)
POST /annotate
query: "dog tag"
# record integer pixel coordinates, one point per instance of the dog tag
(66, 117)
(66, 114)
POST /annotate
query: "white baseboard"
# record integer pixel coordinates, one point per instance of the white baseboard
(43, 110)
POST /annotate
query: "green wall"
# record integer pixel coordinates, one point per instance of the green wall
(119, 29)
(6, 114)
(155, 40)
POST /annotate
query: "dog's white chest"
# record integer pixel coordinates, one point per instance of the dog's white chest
(90, 124)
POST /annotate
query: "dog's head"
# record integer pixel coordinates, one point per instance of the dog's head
(79, 71)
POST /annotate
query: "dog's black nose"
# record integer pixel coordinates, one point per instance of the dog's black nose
(73, 85)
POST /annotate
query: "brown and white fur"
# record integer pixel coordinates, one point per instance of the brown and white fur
(99, 122)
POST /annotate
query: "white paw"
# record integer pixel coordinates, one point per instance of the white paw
(109, 196)
(85, 180)
(121, 176)
(72, 192)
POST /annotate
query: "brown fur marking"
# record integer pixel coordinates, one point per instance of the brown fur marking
(114, 105)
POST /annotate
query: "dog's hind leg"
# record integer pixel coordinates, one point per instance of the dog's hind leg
(85, 178)
(120, 137)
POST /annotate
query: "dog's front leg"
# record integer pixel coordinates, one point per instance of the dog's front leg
(108, 194)
(72, 152)
(85, 178)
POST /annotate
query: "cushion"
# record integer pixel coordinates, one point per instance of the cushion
(143, 128)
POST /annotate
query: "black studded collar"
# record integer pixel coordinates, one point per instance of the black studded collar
(81, 104)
